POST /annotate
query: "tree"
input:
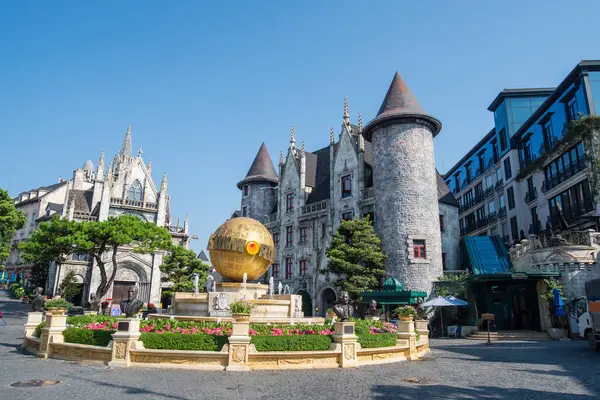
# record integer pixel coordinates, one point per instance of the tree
(179, 267)
(11, 219)
(57, 239)
(355, 255)
(69, 286)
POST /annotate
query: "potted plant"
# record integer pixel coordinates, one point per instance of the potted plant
(57, 306)
(241, 310)
(330, 313)
(26, 299)
(405, 313)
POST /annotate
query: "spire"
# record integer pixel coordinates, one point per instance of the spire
(261, 170)
(109, 173)
(163, 184)
(280, 157)
(302, 149)
(331, 136)
(293, 136)
(346, 112)
(360, 123)
(100, 170)
(400, 102)
(126, 147)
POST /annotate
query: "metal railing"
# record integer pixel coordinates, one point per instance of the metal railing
(531, 196)
(548, 239)
(502, 212)
(368, 193)
(499, 185)
(558, 178)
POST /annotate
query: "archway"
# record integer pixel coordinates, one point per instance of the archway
(328, 298)
(306, 303)
(129, 274)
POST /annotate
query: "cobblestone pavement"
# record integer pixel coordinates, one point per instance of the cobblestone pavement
(455, 369)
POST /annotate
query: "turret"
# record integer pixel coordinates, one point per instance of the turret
(259, 187)
(163, 200)
(405, 187)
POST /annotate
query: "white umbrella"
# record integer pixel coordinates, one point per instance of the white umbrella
(440, 301)
(456, 301)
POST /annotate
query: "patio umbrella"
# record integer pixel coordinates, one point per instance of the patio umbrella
(439, 302)
(457, 302)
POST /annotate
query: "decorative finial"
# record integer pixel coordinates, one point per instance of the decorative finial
(302, 149)
(140, 152)
(346, 112)
(293, 135)
(280, 157)
(102, 157)
(360, 123)
(331, 135)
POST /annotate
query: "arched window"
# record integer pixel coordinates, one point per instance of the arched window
(135, 191)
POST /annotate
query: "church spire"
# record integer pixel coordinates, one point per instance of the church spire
(346, 112)
(109, 173)
(293, 137)
(100, 169)
(280, 157)
(302, 149)
(126, 147)
(163, 184)
(360, 123)
(331, 136)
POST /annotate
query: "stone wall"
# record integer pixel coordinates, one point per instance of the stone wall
(451, 237)
(406, 202)
(261, 199)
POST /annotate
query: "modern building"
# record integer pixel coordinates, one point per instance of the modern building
(526, 179)
(94, 194)
(385, 171)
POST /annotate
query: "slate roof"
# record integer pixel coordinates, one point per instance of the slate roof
(236, 214)
(83, 200)
(202, 256)
(261, 170)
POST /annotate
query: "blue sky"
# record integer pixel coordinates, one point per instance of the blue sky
(203, 84)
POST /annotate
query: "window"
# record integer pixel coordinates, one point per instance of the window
(573, 202)
(548, 132)
(501, 200)
(530, 185)
(481, 159)
(289, 202)
(468, 169)
(499, 175)
(346, 186)
(135, 191)
(510, 194)
(514, 229)
(275, 270)
(245, 190)
(419, 249)
(480, 214)
(323, 230)
(571, 162)
(441, 223)
(535, 222)
(289, 236)
(276, 239)
(444, 260)
(479, 191)
(488, 182)
(503, 141)
(288, 268)
(507, 169)
(347, 216)
(244, 211)
(572, 109)
(303, 234)
(302, 264)
(33, 217)
(491, 207)
(80, 257)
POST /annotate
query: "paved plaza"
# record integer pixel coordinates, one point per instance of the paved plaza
(455, 369)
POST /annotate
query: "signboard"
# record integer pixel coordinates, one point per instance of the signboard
(487, 317)
(519, 275)
(115, 310)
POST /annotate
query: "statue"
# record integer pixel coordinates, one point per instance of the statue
(421, 314)
(298, 304)
(343, 310)
(372, 311)
(38, 301)
(209, 283)
(132, 306)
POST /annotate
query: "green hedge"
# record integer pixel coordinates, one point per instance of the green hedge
(368, 341)
(178, 341)
(292, 343)
(38, 329)
(87, 336)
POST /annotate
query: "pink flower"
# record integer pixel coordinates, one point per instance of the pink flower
(160, 331)
(251, 332)
(168, 327)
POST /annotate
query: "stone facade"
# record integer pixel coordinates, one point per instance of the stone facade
(316, 190)
(94, 194)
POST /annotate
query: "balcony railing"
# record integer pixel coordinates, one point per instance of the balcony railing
(531, 196)
(311, 208)
(83, 216)
(480, 197)
(492, 217)
(176, 229)
(502, 212)
(368, 193)
(558, 178)
(489, 192)
(271, 218)
(133, 203)
(565, 238)
(499, 185)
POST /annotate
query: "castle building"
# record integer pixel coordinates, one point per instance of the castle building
(124, 186)
(385, 171)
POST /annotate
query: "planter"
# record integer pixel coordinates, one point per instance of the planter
(405, 318)
(25, 300)
(56, 311)
(556, 333)
(241, 317)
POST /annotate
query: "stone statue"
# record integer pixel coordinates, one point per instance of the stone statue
(209, 283)
(279, 288)
(132, 306)
(372, 311)
(38, 301)
(421, 314)
(298, 304)
(343, 310)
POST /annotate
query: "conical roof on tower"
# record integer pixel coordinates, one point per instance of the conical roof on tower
(400, 102)
(262, 169)
(126, 147)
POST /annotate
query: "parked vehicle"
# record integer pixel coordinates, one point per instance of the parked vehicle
(592, 292)
(579, 316)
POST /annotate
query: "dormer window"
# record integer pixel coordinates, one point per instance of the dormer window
(346, 186)
(245, 190)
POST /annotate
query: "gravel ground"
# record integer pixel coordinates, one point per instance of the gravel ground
(455, 369)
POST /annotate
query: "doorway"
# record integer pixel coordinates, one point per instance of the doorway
(120, 289)
(328, 298)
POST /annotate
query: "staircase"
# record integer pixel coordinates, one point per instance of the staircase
(528, 336)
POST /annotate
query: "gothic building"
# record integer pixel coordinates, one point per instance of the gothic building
(124, 186)
(386, 171)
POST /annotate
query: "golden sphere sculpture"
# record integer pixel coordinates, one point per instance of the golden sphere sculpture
(241, 245)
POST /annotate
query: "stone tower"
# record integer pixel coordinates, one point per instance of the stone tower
(405, 187)
(259, 187)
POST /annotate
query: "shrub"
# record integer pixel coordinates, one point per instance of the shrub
(58, 303)
(179, 341)
(368, 340)
(83, 320)
(38, 329)
(297, 329)
(405, 312)
(87, 336)
(242, 307)
(292, 343)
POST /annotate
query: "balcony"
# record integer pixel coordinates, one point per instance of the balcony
(492, 217)
(489, 192)
(136, 204)
(316, 207)
(367, 194)
(502, 213)
(83, 216)
(178, 230)
(566, 238)
(561, 176)
(531, 196)
(499, 185)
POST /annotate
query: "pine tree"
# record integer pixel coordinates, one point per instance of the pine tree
(69, 286)
(356, 256)
(179, 267)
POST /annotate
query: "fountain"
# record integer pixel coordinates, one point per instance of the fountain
(196, 279)
(241, 250)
